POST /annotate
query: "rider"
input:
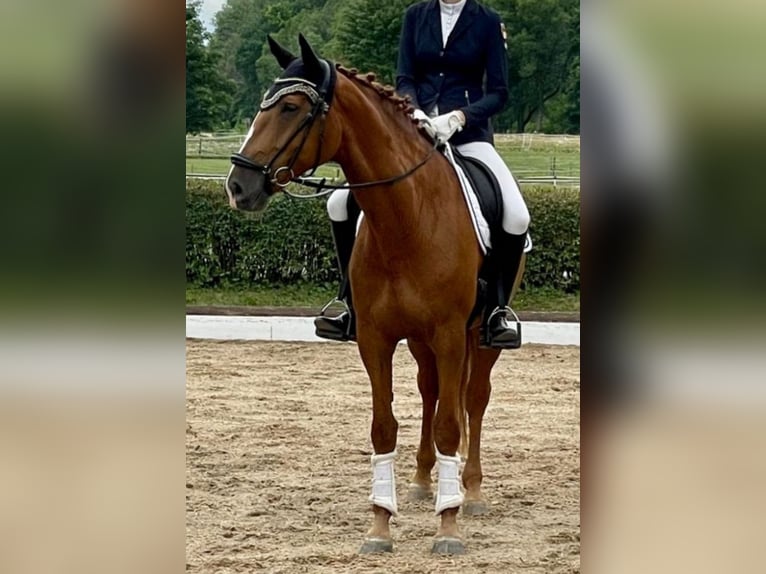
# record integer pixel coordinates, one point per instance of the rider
(446, 49)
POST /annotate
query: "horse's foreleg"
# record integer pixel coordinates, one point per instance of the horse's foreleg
(449, 346)
(377, 355)
(428, 385)
(477, 398)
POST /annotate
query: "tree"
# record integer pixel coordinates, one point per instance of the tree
(207, 90)
(367, 35)
(314, 22)
(570, 122)
(240, 37)
(543, 42)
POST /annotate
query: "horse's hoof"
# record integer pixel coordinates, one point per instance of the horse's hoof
(376, 546)
(475, 508)
(447, 545)
(419, 492)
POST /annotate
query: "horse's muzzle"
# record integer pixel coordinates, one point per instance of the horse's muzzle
(247, 190)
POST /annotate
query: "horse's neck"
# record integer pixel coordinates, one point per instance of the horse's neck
(378, 145)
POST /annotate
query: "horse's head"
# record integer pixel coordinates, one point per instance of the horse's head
(290, 133)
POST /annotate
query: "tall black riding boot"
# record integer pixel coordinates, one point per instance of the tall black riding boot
(501, 330)
(343, 326)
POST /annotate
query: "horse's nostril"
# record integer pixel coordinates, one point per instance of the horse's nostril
(235, 188)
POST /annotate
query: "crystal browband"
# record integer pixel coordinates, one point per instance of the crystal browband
(302, 87)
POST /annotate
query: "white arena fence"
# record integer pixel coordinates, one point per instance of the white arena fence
(224, 144)
(557, 149)
(538, 180)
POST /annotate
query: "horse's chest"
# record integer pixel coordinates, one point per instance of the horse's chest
(404, 299)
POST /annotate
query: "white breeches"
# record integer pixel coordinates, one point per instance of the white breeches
(515, 213)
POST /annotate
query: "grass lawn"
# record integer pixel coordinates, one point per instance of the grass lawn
(221, 166)
(523, 162)
(207, 166)
(307, 295)
(566, 163)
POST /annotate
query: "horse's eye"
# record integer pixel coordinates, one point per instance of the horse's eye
(288, 107)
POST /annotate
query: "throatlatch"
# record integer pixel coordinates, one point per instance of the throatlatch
(448, 493)
(384, 482)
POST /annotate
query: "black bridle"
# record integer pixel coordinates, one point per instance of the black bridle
(304, 127)
(321, 99)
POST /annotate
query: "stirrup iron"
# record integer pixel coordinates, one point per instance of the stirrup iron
(333, 302)
(332, 328)
(505, 309)
(486, 342)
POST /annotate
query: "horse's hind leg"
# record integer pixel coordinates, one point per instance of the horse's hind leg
(428, 385)
(377, 355)
(476, 400)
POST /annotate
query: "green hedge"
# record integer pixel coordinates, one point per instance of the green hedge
(555, 258)
(291, 240)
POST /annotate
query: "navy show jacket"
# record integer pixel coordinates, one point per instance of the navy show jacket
(452, 76)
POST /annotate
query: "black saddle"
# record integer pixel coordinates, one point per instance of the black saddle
(486, 187)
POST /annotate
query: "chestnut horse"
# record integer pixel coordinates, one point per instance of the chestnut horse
(413, 270)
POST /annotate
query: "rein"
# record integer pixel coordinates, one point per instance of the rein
(320, 107)
(329, 187)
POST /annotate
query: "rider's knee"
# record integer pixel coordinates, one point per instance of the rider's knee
(337, 205)
(516, 220)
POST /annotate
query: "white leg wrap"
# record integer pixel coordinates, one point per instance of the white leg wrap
(448, 493)
(383, 481)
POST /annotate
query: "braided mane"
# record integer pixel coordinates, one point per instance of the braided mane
(402, 103)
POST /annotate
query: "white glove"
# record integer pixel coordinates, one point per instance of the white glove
(424, 121)
(446, 125)
(420, 116)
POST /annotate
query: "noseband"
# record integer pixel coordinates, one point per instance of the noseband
(321, 98)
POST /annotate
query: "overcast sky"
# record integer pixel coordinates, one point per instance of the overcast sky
(209, 8)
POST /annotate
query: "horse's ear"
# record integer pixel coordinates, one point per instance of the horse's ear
(284, 57)
(309, 57)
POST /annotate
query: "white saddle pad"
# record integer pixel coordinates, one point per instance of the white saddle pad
(480, 225)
